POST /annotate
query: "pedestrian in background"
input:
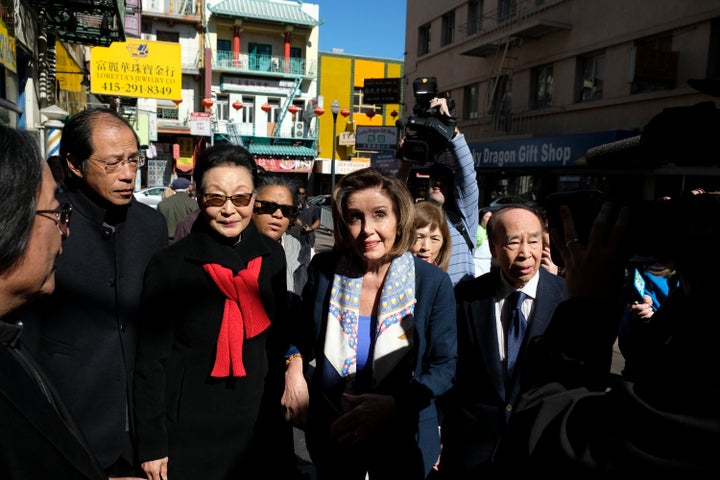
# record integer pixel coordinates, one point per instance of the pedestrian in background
(210, 366)
(307, 220)
(453, 186)
(87, 329)
(432, 236)
(380, 325)
(177, 206)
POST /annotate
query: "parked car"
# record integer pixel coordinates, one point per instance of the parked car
(150, 196)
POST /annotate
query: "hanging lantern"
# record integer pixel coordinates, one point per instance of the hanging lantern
(344, 112)
(370, 113)
(394, 114)
(293, 109)
(207, 102)
(177, 102)
(237, 105)
(266, 107)
(319, 111)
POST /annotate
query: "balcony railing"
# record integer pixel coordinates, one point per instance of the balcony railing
(263, 63)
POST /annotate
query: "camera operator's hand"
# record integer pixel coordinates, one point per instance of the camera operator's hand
(595, 270)
(441, 103)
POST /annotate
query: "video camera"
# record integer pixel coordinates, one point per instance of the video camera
(428, 132)
(667, 230)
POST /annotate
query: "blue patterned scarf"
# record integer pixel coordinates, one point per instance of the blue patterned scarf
(393, 329)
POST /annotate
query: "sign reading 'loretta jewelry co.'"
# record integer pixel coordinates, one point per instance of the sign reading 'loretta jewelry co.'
(137, 68)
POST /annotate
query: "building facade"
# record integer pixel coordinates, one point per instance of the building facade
(539, 82)
(342, 80)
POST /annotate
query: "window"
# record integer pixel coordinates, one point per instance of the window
(168, 36)
(424, 39)
(501, 102)
(448, 29)
(542, 82)
(471, 100)
(507, 9)
(475, 11)
(221, 107)
(590, 77)
(224, 45)
(260, 57)
(713, 69)
(359, 105)
(653, 64)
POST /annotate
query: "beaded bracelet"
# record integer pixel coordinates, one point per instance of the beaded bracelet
(289, 358)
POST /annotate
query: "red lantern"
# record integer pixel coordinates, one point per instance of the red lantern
(370, 113)
(177, 102)
(344, 112)
(394, 114)
(266, 107)
(207, 102)
(293, 109)
(237, 105)
(319, 111)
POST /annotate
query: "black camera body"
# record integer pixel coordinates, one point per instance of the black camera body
(428, 132)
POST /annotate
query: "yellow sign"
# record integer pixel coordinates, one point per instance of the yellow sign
(137, 68)
(8, 56)
(68, 73)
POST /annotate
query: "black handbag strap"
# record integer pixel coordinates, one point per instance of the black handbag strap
(457, 222)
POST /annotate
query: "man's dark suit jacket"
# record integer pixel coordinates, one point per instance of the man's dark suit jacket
(37, 439)
(477, 408)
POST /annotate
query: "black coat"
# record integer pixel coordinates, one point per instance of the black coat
(84, 334)
(37, 440)
(476, 410)
(211, 427)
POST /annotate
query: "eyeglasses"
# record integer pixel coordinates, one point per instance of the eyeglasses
(268, 208)
(134, 162)
(62, 217)
(218, 200)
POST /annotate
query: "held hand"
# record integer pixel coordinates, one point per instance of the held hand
(156, 469)
(441, 103)
(369, 412)
(296, 398)
(594, 270)
(644, 310)
(547, 263)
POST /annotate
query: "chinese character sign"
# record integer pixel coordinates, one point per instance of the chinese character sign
(137, 68)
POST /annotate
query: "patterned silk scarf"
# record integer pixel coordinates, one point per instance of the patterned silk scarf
(394, 327)
(244, 315)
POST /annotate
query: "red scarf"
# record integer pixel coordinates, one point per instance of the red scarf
(244, 315)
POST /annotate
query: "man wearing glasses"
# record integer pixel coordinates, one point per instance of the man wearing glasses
(84, 334)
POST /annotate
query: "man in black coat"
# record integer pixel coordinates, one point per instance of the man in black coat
(476, 410)
(38, 437)
(84, 335)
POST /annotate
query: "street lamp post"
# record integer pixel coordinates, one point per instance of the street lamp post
(335, 109)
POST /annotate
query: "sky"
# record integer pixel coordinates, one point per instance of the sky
(372, 28)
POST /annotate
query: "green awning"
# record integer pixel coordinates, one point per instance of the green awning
(265, 10)
(281, 150)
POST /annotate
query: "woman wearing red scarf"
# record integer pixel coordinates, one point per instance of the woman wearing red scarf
(212, 343)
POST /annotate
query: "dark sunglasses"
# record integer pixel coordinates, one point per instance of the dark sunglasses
(218, 200)
(268, 208)
(62, 216)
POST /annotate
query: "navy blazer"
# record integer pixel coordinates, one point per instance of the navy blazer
(435, 350)
(476, 410)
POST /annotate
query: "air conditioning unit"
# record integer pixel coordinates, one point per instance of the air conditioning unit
(298, 129)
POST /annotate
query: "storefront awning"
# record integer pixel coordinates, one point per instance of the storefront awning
(281, 150)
